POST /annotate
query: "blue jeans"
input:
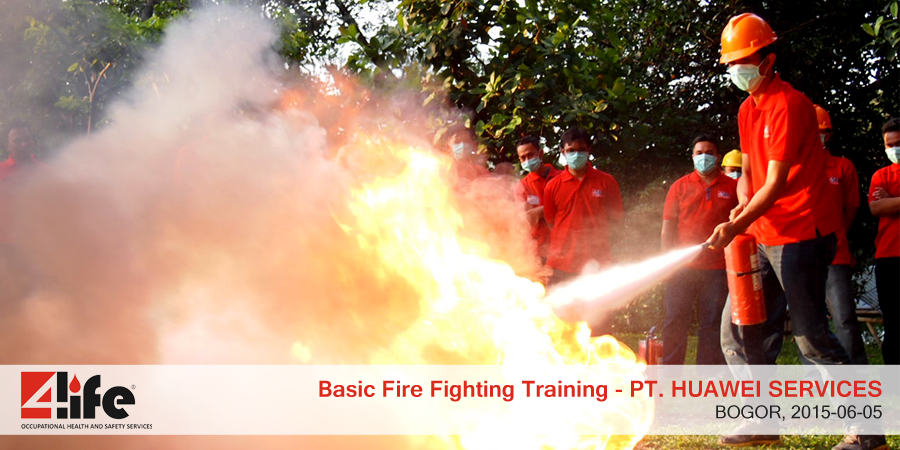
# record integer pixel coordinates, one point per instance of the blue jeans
(793, 276)
(839, 295)
(709, 288)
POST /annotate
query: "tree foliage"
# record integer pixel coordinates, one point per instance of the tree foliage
(642, 76)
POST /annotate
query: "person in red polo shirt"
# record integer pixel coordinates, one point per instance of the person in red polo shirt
(530, 190)
(16, 274)
(843, 188)
(784, 205)
(20, 145)
(462, 145)
(884, 202)
(695, 204)
(582, 206)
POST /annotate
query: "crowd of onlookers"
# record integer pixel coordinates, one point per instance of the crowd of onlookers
(783, 187)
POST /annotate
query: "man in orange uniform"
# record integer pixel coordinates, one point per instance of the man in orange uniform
(783, 203)
(695, 204)
(16, 274)
(884, 202)
(20, 145)
(530, 190)
(582, 206)
(843, 189)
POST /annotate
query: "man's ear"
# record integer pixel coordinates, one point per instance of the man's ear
(769, 62)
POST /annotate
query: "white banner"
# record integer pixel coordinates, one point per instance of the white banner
(444, 400)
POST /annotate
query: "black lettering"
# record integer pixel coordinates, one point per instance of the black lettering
(91, 397)
(75, 406)
(109, 402)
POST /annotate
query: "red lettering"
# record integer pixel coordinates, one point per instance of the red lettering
(775, 388)
(875, 386)
(324, 389)
(806, 386)
(840, 391)
(789, 387)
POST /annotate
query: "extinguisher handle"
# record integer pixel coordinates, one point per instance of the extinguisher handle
(741, 274)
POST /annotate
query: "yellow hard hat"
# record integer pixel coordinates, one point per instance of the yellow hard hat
(733, 159)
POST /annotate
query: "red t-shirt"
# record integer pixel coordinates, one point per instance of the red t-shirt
(11, 172)
(697, 209)
(843, 189)
(10, 166)
(530, 190)
(582, 212)
(783, 127)
(887, 243)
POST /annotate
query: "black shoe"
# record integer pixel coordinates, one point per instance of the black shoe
(862, 442)
(747, 440)
(745, 435)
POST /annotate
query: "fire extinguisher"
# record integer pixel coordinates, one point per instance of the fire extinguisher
(744, 281)
(650, 348)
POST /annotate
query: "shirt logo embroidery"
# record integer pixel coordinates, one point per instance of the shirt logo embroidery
(834, 180)
(597, 193)
(723, 194)
(534, 200)
(766, 132)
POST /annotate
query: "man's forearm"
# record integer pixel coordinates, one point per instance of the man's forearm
(667, 237)
(885, 207)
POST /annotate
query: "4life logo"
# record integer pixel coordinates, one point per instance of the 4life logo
(38, 389)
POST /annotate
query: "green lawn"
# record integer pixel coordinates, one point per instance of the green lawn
(710, 442)
(789, 355)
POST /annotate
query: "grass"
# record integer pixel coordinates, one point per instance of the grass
(710, 442)
(789, 355)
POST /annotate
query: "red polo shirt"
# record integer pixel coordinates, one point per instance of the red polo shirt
(887, 243)
(530, 190)
(582, 212)
(9, 168)
(697, 209)
(843, 189)
(783, 127)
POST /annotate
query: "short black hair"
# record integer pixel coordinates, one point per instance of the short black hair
(893, 124)
(14, 125)
(575, 134)
(705, 138)
(456, 129)
(529, 140)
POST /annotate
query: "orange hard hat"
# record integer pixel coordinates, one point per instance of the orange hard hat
(744, 35)
(823, 118)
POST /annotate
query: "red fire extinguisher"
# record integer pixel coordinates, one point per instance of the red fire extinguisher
(744, 281)
(650, 348)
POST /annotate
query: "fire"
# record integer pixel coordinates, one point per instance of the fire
(475, 310)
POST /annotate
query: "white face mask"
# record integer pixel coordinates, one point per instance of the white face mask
(734, 175)
(893, 154)
(745, 76)
(704, 163)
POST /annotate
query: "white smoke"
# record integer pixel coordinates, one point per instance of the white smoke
(204, 225)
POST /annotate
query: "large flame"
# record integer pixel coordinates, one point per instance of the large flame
(474, 309)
